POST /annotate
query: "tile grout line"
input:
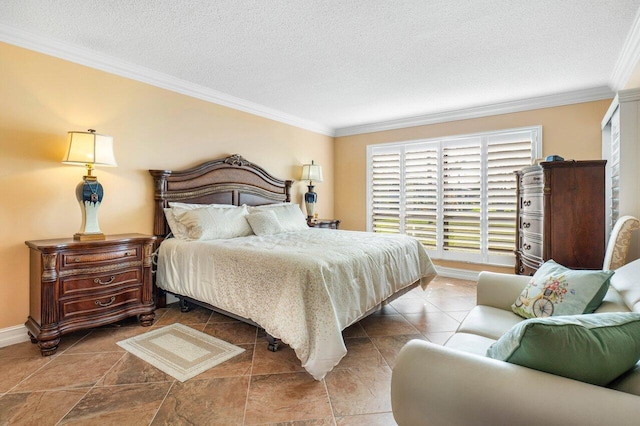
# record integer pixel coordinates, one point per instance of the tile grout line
(253, 356)
(50, 360)
(162, 403)
(91, 388)
(326, 389)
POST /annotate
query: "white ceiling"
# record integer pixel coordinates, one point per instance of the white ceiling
(334, 65)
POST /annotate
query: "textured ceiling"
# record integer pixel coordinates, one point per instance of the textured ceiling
(346, 63)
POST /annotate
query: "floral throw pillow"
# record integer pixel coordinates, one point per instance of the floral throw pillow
(556, 290)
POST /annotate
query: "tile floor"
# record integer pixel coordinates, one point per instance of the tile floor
(92, 381)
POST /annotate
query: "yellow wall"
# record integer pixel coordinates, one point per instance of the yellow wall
(572, 132)
(42, 98)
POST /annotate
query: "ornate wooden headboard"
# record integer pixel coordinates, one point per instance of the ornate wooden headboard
(230, 180)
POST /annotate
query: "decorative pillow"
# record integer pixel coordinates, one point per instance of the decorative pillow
(264, 222)
(556, 290)
(593, 348)
(289, 215)
(212, 223)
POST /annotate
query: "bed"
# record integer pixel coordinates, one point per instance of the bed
(301, 285)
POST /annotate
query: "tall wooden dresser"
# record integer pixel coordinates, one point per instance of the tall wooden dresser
(561, 215)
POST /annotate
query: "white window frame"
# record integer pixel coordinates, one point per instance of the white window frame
(533, 133)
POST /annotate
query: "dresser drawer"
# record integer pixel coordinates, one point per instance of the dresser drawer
(531, 247)
(98, 257)
(100, 303)
(78, 284)
(532, 178)
(531, 203)
(531, 224)
(528, 266)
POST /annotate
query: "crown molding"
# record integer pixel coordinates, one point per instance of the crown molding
(93, 59)
(560, 99)
(629, 95)
(110, 64)
(628, 58)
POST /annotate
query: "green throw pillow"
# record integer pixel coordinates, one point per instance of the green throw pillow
(556, 290)
(593, 348)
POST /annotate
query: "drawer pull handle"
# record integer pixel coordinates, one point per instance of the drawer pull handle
(536, 178)
(99, 281)
(127, 253)
(77, 259)
(99, 303)
(527, 203)
(526, 246)
(526, 225)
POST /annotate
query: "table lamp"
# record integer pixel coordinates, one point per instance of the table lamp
(89, 149)
(311, 172)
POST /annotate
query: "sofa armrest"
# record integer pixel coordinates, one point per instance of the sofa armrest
(500, 290)
(435, 385)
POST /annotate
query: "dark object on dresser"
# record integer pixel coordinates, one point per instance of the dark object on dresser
(324, 223)
(76, 285)
(560, 215)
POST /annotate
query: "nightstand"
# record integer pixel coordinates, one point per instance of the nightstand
(75, 285)
(323, 223)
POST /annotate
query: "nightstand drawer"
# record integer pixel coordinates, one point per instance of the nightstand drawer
(97, 257)
(99, 282)
(100, 303)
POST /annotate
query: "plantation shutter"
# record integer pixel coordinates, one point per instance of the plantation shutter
(504, 157)
(421, 195)
(615, 168)
(386, 192)
(461, 196)
(456, 195)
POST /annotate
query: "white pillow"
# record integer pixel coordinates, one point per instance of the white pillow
(264, 222)
(213, 223)
(178, 230)
(290, 216)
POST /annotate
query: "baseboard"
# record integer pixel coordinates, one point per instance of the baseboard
(12, 335)
(461, 274)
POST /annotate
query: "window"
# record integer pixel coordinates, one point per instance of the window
(457, 195)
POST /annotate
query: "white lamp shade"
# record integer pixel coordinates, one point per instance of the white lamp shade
(312, 172)
(90, 148)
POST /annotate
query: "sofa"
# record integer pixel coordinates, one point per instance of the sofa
(457, 384)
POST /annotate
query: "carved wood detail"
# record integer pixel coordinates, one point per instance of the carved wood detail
(236, 160)
(49, 272)
(99, 269)
(148, 253)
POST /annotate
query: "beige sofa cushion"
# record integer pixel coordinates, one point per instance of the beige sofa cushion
(470, 343)
(489, 322)
(613, 302)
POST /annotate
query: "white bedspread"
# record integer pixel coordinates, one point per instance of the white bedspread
(303, 287)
